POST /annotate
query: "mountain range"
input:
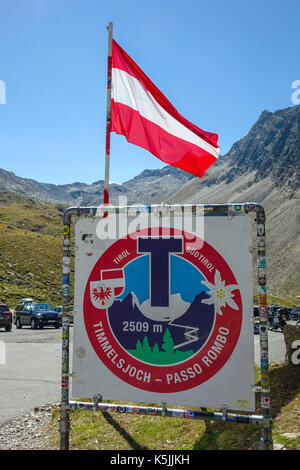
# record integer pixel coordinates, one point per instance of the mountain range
(262, 167)
(151, 186)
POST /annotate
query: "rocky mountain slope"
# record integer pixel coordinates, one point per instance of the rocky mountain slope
(271, 148)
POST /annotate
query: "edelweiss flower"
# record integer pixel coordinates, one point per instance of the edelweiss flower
(220, 294)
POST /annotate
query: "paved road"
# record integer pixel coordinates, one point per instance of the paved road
(277, 347)
(31, 375)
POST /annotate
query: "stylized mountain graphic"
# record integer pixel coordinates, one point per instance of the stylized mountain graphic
(130, 325)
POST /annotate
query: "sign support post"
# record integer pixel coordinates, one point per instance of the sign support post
(266, 437)
(64, 420)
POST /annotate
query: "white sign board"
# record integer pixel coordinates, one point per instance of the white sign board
(164, 314)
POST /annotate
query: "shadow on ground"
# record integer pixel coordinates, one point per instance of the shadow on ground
(133, 444)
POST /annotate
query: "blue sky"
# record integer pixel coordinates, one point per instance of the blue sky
(220, 63)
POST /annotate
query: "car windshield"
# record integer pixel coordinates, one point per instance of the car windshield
(4, 308)
(42, 307)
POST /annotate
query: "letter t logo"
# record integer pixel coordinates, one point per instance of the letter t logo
(160, 249)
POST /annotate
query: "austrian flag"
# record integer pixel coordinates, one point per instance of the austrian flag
(141, 113)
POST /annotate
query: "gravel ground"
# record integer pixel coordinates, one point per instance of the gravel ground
(29, 431)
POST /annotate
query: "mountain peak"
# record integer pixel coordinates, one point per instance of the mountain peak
(271, 148)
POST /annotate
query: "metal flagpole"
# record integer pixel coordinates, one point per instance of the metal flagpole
(108, 115)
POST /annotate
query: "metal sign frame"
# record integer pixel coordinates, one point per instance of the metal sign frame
(263, 420)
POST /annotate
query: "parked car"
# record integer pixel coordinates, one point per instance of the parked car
(284, 313)
(5, 317)
(58, 308)
(26, 300)
(295, 313)
(273, 309)
(277, 321)
(289, 309)
(36, 315)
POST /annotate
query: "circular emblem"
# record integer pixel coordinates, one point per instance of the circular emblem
(162, 310)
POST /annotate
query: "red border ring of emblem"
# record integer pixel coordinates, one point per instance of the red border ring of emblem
(155, 378)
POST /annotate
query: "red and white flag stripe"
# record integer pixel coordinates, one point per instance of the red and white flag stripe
(112, 274)
(144, 115)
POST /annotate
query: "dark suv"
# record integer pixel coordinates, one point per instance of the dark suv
(295, 313)
(5, 317)
(36, 315)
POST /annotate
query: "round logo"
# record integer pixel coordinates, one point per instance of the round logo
(162, 310)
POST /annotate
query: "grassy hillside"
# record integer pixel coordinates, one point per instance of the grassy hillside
(30, 249)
